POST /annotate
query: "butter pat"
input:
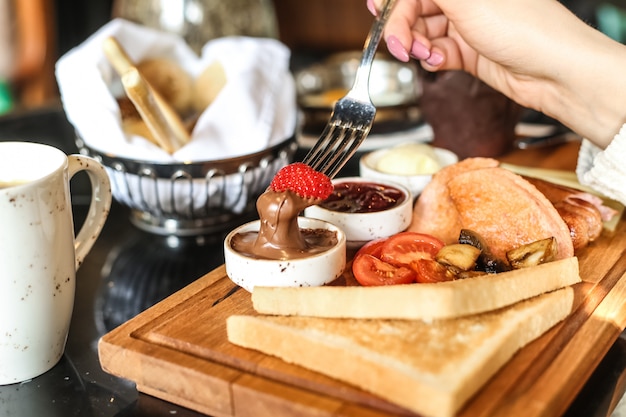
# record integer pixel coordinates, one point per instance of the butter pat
(408, 164)
(409, 159)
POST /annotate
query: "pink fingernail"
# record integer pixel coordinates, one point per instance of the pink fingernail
(435, 59)
(372, 7)
(420, 51)
(396, 49)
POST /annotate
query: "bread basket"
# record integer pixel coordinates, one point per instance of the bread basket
(187, 199)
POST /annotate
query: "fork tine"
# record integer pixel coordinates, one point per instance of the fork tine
(353, 115)
(325, 141)
(341, 137)
(336, 153)
(337, 141)
(357, 135)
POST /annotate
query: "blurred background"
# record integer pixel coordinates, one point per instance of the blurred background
(35, 33)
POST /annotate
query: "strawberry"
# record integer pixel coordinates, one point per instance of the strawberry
(302, 180)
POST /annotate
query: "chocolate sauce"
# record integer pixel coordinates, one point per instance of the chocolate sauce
(317, 241)
(362, 197)
(280, 236)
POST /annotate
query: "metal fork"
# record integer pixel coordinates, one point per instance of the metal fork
(353, 115)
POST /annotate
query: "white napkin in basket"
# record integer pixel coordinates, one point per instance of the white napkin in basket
(256, 108)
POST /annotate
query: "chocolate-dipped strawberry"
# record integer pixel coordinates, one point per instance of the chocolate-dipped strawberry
(294, 188)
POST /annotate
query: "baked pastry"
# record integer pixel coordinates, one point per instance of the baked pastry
(208, 85)
(170, 80)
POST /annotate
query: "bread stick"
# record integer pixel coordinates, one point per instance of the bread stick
(208, 85)
(144, 100)
(116, 55)
(122, 63)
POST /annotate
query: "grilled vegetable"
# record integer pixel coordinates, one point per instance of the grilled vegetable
(533, 254)
(458, 257)
(486, 260)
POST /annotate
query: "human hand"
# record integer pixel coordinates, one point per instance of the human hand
(506, 44)
(452, 34)
(536, 52)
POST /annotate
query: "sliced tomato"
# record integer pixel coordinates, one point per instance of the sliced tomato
(372, 247)
(369, 270)
(407, 247)
(429, 270)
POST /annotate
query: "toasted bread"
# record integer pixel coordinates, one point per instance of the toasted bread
(429, 368)
(419, 301)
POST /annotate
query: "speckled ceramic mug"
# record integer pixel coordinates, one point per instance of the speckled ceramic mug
(39, 253)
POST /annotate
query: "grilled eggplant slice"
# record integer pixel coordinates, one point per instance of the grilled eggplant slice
(486, 261)
(532, 254)
(458, 257)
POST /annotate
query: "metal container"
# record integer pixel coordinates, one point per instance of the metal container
(394, 89)
(187, 199)
(198, 21)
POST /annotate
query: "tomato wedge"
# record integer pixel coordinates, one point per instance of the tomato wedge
(403, 258)
(368, 270)
(406, 247)
(373, 247)
(429, 270)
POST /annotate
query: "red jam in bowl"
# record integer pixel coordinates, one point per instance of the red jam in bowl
(362, 197)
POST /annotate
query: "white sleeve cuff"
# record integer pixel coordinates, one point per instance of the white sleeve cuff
(604, 170)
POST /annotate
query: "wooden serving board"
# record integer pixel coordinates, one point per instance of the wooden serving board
(178, 351)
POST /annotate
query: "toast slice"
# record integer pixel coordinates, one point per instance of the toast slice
(429, 368)
(419, 301)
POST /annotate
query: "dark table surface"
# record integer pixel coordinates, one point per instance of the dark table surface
(127, 271)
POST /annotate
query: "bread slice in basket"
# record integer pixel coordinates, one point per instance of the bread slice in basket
(431, 368)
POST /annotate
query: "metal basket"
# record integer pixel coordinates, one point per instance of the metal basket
(187, 199)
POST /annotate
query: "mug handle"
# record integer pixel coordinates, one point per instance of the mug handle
(99, 206)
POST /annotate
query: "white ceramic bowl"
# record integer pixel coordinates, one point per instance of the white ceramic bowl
(363, 227)
(314, 270)
(415, 183)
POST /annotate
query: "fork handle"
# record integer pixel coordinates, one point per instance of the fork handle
(369, 50)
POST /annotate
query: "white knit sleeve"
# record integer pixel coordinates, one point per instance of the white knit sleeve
(604, 170)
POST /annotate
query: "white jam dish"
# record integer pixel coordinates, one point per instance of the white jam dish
(362, 227)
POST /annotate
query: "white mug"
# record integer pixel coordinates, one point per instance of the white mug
(39, 254)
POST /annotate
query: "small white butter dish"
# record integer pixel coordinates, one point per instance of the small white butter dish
(414, 167)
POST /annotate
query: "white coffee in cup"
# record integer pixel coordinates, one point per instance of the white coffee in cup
(39, 253)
